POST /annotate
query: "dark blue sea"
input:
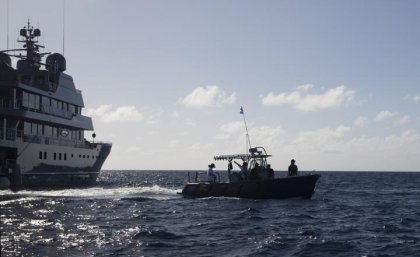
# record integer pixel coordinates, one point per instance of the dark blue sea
(139, 213)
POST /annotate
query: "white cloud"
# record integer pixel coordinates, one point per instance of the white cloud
(180, 117)
(232, 127)
(415, 97)
(384, 115)
(153, 116)
(360, 121)
(332, 98)
(405, 119)
(267, 136)
(305, 87)
(210, 96)
(200, 147)
(108, 114)
(176, 115)
(322, 136)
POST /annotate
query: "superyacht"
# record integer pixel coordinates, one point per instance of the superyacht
(42, 129)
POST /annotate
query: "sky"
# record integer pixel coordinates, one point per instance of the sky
(332, 84)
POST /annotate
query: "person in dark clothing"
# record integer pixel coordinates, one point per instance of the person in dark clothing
(229, 169)
(270, 171)
(293, 169)
(244, 169)
(254, 172)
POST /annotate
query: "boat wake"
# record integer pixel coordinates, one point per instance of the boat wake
(148, 192)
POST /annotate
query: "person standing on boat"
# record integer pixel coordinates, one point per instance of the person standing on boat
(253, 175)
(244, 169)
(270, 171)
(211, 177)
(230, 168)
(293, 169)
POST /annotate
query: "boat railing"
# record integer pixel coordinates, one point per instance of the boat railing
(18, 135)
(44, 108)
(7, 104)
(201, 176)
(10, 135)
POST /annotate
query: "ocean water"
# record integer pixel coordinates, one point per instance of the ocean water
(139, 213)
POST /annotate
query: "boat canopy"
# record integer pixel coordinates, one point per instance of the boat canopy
(254, 153)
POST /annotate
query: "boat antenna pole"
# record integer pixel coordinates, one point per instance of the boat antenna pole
(64, 22)
(7, 21)
(246, 128)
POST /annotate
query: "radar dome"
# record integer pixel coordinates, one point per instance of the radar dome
(37, 32)
(56, 62)
(6, 59)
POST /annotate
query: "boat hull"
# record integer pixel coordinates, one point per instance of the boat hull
(75, 170)
(288, 187)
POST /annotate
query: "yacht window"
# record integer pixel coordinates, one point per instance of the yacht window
(54, 132)
(72, 109)
(65, 156)
(54, 103)
(34, 128)
(27, 128)
(47, 131)
(34, 101)
(55, 156)
(25, 99)
(45, 155)
(40, 155)
(59, 156)
(40, 129)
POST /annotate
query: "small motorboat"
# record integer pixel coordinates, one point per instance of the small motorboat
(257, 181)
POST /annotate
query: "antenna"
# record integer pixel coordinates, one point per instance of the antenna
(246, 128)
(64, 22)
(7, 24)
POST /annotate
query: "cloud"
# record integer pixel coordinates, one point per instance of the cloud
(415, 97)
(322, 136)
(232, 127)
(264, 135)
(210, 96)
(185, 120)
(384, 115)
(108, 114)
(405, 119)
(305, 87)
(332, 98)
(360, 121)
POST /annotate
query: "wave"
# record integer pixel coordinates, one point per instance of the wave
(153, 192)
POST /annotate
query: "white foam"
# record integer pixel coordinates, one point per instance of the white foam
(154, 192)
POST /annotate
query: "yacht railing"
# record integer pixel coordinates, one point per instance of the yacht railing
(45, 108)
(17, 135)
(8, 104)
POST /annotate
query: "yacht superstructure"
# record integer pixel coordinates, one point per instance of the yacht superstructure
(42, 128)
